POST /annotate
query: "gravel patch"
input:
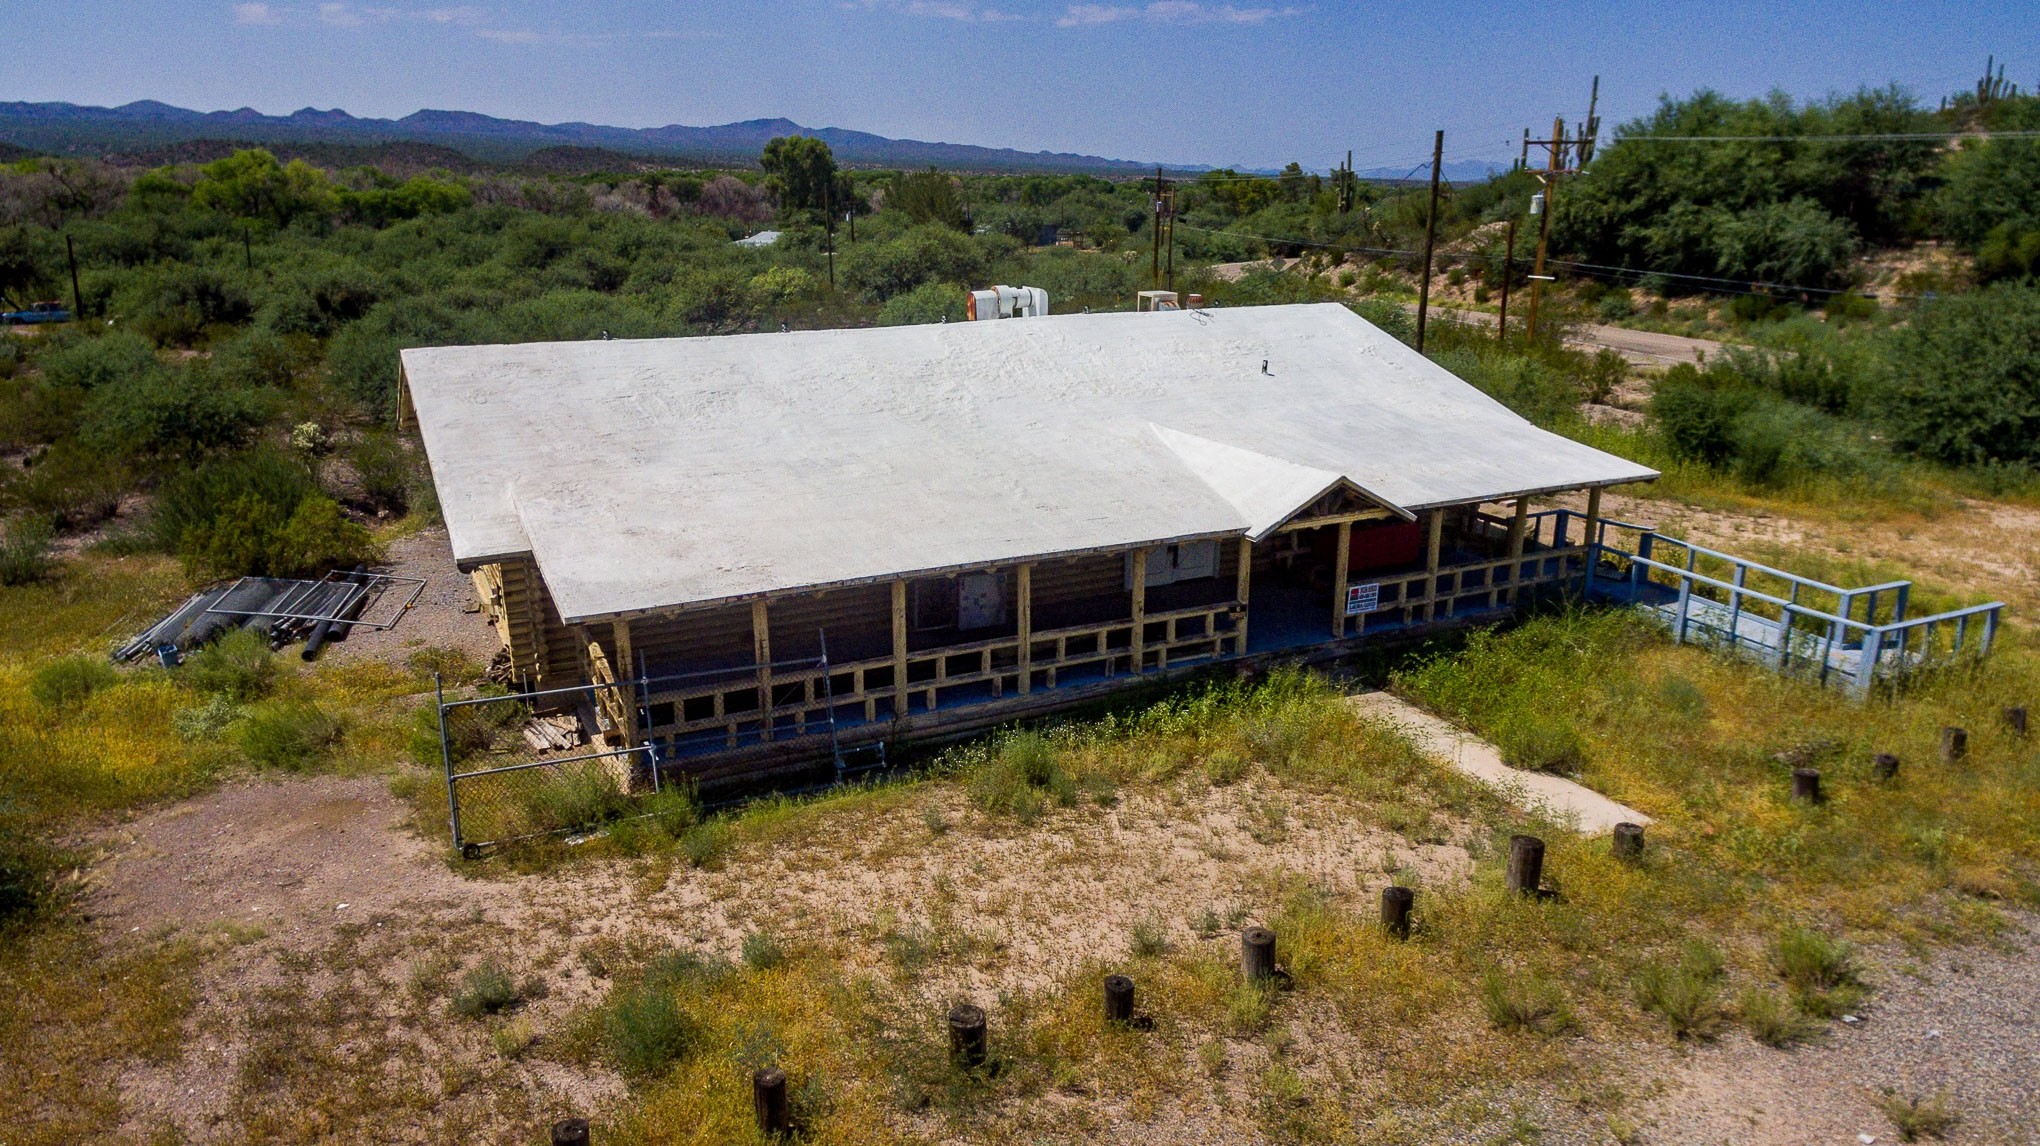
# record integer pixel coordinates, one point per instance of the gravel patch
(446, 614)
(1959, 1024)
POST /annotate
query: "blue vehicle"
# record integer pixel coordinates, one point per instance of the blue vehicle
(38, 312)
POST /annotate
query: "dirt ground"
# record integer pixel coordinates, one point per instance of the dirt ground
(335, 935)
(334, 929)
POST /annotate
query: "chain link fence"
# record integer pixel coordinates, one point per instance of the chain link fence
(530, 764)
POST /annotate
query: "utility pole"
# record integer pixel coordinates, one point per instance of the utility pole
(1508, 271)
(1155, 262)
(1430, 238)
(829, 223)
(1563, 157)
(1169, 223)
(77, 299)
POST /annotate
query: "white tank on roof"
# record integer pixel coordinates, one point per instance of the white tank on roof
(1007, 302)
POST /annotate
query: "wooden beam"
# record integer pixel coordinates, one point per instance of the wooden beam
(1516, 528)
(1240, 594)
(1336, 518)
(625, 669)
(899, 648)
(1340, 562)
(1140, 558)
(1023, 596)
(761, 650)
(1432, 544)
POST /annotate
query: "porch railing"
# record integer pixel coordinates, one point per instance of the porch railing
(1793, 622)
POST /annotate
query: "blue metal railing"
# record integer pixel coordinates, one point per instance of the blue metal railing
(1802, 623)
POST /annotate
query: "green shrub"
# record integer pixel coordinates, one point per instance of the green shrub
(25, 552)
(386, 471)
(485, 990)
(238, 667)
(1524, 1002)
(1963, 382)
(1773, 1020)
(90, 363)
(573, 797)
(166, 415)
(28, 867)
(708, 844)
(205, 722)
(70, 485)
(292, 735)
(1023, 773)
(762, 952)
(644, 1031)
(251, 535)
(1819, 969)
(70, 681)
(1917, 1118)
(1697, 413)
(1541, 741)
(929, 302)
(1686, 994)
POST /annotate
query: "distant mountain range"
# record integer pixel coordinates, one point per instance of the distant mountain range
(148, 126)
(153, 132)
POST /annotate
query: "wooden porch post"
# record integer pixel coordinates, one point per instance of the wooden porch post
(761, 652)
(1431, 546)
(1240, 594)
(1516, 524)
(626, 671)
(1139, 608)
(1339, 566)
(1592, 540)
(1024, 598)
(899, 648)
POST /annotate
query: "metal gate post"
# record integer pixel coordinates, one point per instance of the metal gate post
(446, 758)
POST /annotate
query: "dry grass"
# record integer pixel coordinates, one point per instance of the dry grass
(828, 936)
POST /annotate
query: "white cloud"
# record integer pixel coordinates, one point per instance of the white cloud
(356, 15)
(256, 14)
(1168, 12)
(962, 11)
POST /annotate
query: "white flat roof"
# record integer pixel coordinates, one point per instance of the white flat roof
(648, 474)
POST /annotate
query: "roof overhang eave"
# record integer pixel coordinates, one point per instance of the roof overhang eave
(883, 578)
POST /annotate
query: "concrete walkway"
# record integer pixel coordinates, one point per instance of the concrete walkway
(1555, 796)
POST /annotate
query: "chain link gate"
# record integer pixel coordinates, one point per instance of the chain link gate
(557, 761)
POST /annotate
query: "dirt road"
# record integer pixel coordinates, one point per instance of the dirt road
(1639, 347)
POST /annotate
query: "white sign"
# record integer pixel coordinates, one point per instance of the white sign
(1363, 598)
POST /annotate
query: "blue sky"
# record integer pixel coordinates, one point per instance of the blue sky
(1250, 82)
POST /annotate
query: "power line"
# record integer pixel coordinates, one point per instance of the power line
(1593, 270)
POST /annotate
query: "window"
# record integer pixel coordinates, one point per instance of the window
(1183, 561)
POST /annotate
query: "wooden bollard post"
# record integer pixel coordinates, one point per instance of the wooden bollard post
(1395, 910)
(1884, 766)
(1628, 843)
(1526, 864)
(768, 1098)
(2015, 720)
(1257, 954)
(967, 1041)
(1954, 744)
(1118, 1000)
(1806, 785)
(570, 1132)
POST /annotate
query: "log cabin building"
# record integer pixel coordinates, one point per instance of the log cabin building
(746, 541)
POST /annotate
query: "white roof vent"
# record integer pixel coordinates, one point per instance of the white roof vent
(1007, 302)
